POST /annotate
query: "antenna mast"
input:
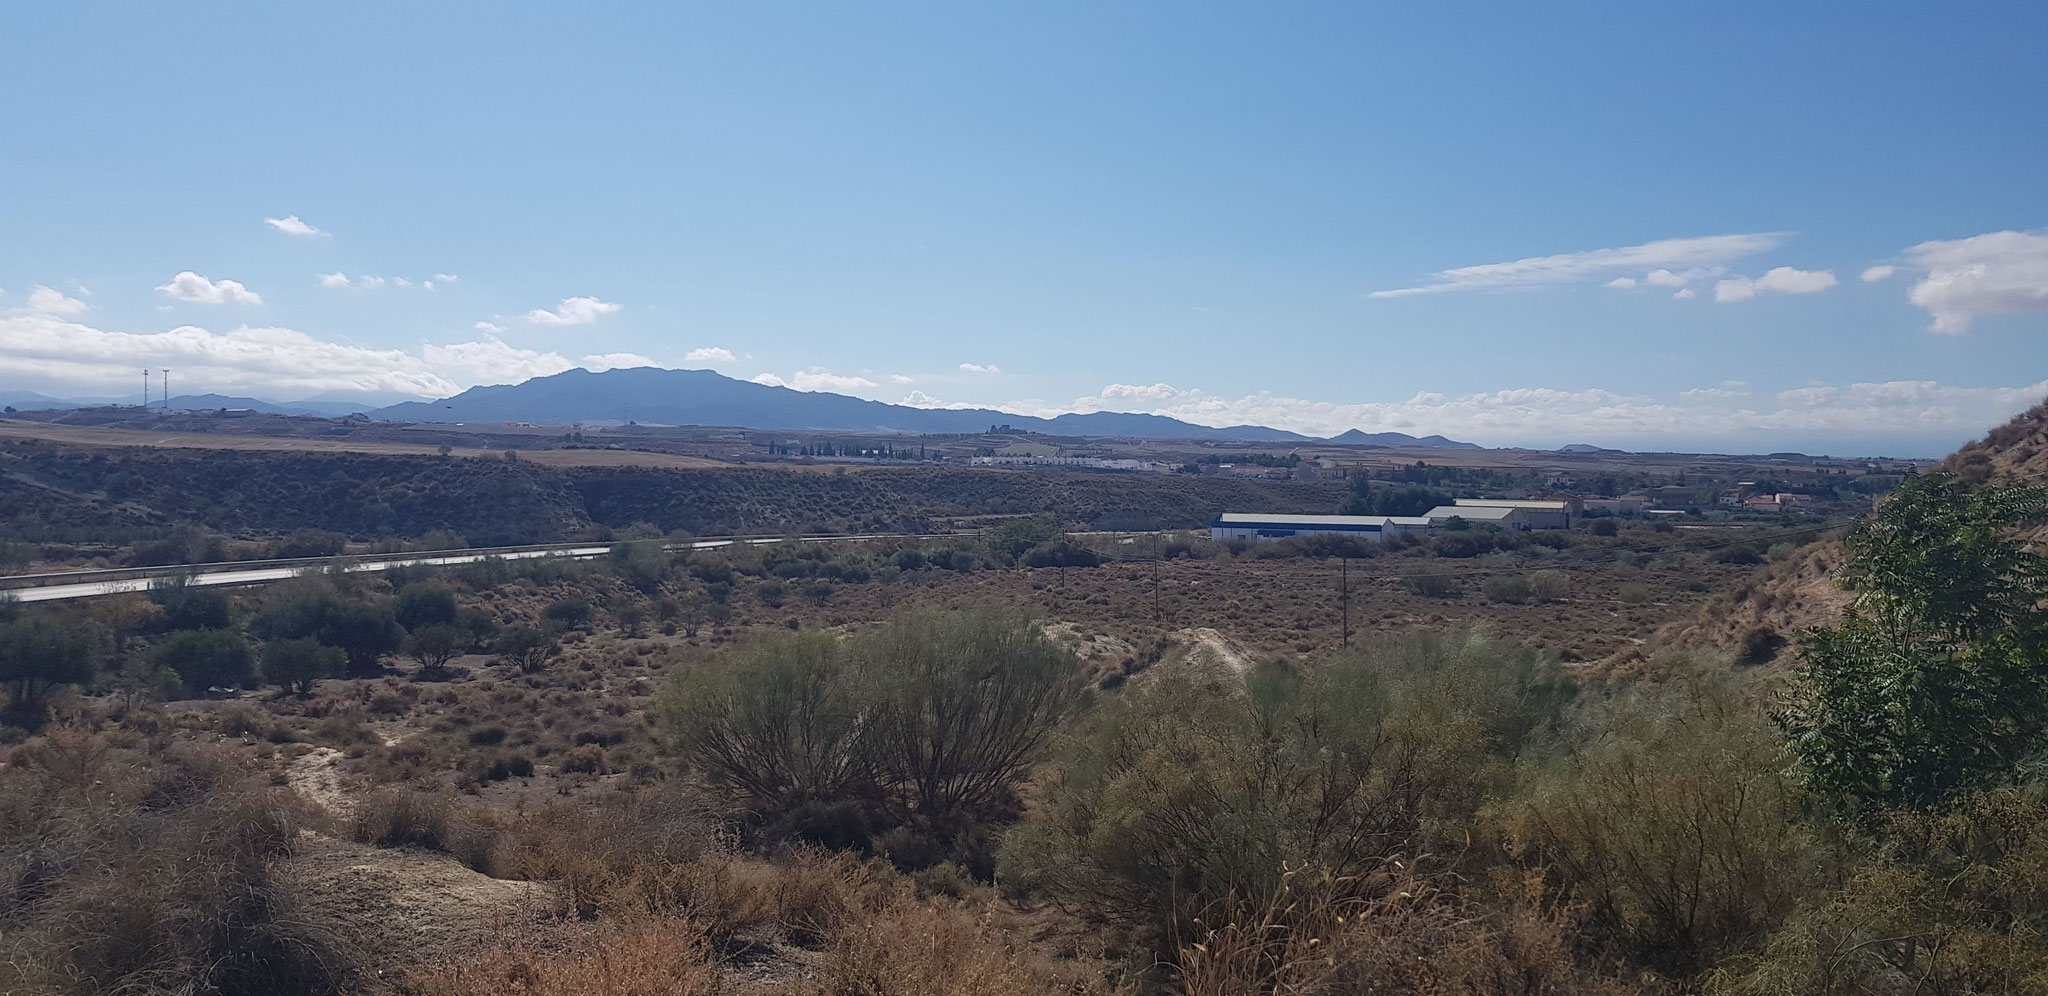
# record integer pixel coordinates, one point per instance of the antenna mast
(167, 389)
(145, 388)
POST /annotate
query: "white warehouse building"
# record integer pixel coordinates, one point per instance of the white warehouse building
(1535, 514)
(1504, 513)
(1245, 525)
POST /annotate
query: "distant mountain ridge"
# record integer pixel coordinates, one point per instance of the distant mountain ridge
(704, 397)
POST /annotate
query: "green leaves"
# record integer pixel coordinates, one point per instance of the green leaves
(1935, 681)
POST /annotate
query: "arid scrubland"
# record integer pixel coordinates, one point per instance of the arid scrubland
(1034, 760)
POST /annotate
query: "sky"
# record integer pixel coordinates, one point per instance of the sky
(1732, 227)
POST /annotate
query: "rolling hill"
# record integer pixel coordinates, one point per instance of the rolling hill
(702, 397)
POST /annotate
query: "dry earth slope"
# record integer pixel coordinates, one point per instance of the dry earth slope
(1761, 620)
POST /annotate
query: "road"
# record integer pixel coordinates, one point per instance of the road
(229, 574)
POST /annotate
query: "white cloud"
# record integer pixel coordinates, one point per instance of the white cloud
(713, 355)
(1538, 271)
(291, 225)
(335, 279)
(1990, 274)
(1786, 280)
(1780, 280)
(491, 362)
(51, 301)
(489, 328)
(1682, 294)
(1880, 272)
(901, 379)
(401, 281)
(189, 286)
(369, 283)
(1728, 390)
(599, 362)
(1622, 283)
(1661, 277)
(276, 362)
(445, 278)
(573, 311)
(1737, 289)
(980, 368)
(816, 379)
(1138, 392)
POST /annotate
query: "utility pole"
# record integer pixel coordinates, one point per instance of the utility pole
(1157, 556)
(1344, 596)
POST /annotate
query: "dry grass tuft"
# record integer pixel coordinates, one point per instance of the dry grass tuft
(645, 958)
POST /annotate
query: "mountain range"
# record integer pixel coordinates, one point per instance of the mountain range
(198, 402)
(652, 395)
(657, 396)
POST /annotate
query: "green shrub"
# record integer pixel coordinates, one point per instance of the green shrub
(567, 614)
(932, 719)
(208, 658)
(1191, 791)
(295, 665)
(526, 648)
(40, 653)
(1511, 588)
(1951, 901)
(1675, 826)
(424, 603)
(1933, 682)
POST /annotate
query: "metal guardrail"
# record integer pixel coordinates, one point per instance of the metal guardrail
(22, 582)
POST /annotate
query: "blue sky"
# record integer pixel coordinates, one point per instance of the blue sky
(1164, 207)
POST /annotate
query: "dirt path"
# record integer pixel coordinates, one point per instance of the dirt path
(401, 906)
(316, 775)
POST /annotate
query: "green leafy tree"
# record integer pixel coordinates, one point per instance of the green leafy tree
(208, 658)
(41, 653)
(296, 664)
(567, 614)
(364, 631)
(1935, 681)
(526, 648)
(644, 564)
(425, 604)
(1010, 540)
(435, 646)
(189, 607)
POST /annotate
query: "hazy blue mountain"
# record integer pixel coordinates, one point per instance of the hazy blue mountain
(345, 402)
(210, 402)
(703, 397)
(1356, 437)
(30, 401)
